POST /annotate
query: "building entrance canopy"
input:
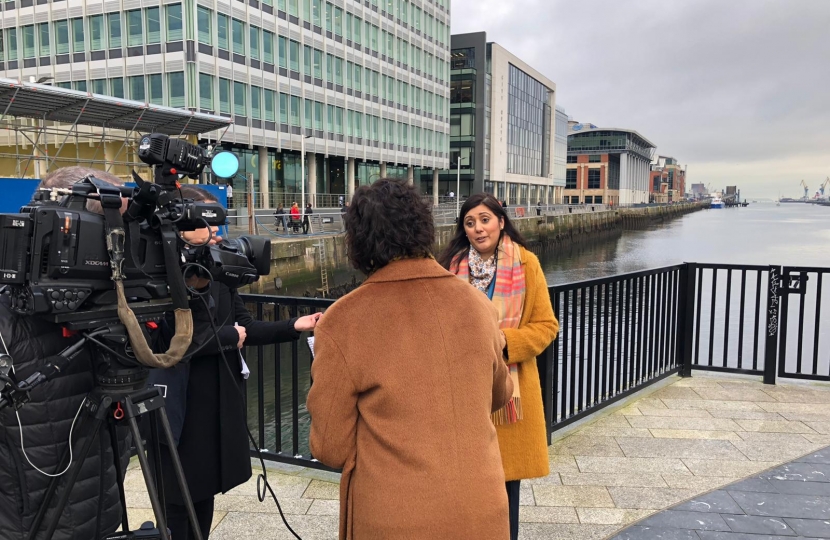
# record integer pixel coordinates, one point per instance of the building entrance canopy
(44, 102)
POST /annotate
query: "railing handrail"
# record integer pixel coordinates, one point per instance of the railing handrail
(571, 285)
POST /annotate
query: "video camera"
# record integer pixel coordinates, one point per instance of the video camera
(54, 254)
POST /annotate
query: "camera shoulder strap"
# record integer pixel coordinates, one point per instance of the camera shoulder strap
(114, 224)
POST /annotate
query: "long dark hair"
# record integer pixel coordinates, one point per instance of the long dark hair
(459, 246)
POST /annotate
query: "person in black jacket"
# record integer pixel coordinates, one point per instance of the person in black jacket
(306, 217)
(204, 398)
(93, 509)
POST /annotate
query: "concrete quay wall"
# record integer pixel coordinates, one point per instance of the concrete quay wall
(298, 261)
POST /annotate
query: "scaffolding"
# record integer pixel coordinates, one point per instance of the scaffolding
(40, 124)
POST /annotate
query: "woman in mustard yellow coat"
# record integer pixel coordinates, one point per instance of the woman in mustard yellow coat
(489, 253)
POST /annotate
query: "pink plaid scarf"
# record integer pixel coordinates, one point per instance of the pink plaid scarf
(508, 298)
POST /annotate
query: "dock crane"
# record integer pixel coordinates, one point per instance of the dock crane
(824, 185)
(806, 189)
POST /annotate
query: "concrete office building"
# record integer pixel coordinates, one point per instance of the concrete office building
(607, 166)
(501, 124)
(360, 87)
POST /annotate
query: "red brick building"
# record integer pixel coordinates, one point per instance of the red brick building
(667, 180)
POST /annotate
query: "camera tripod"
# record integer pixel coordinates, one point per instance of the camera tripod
(98, 406)
(112, 404)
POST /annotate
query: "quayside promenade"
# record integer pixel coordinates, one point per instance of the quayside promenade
(670, 444)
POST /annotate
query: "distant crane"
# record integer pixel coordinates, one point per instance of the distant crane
(806, 189)
(824, 185)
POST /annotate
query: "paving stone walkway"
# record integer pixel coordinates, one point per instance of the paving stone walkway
(671, 443)
(791, 501)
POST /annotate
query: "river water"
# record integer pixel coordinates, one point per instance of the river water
(762, 234)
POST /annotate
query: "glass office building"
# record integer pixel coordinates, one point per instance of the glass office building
(362, 88)
(501, 125)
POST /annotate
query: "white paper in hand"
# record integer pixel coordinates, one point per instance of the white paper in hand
(311, 346)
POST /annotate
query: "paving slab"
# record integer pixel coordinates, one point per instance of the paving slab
(724, 441)
(788, 501)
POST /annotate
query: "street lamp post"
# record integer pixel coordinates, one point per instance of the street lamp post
(302, 172)
(458, 185)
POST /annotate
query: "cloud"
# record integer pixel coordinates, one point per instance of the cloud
(725, 86)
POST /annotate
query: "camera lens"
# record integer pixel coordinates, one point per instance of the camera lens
(258, 251)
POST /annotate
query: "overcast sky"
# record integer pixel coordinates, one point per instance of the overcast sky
(737, 90)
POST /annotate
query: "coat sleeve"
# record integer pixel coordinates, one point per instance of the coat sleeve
(332, 404)
(540, 329)
(262, 332)
(502, 382)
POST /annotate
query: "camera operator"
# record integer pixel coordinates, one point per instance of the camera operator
(204, 398)
(46, 421)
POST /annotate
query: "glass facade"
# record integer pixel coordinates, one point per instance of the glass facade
(603, 142)
(560, 146)
(280, 69)
(528, 125)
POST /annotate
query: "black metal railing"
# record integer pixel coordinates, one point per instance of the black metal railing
(617, 336)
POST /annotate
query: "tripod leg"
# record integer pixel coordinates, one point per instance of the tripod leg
(116, 456)
(75, 469)
(177, 467)
(161, 522)
(155, 459)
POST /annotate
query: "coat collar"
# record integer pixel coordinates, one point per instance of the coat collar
(407, 269)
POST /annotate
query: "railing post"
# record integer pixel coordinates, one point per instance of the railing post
(544, 363)
(773, 324)
(685, 317)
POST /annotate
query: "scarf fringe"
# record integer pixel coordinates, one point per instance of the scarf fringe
(510, 413)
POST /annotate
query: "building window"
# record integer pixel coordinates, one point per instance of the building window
(61, 38)
(317, 12)
(239, 91)
(155, 89)
(206, 92)
(267, 47)
(593, 178)
(462, 91)
(293, 55)
(134, 30)
(318, 115)
(97, 33)
(256, 102)
(99, 86)
(78, 35)
(80, 86)
(204, 17)
(28, 41)
(136, 85)
(463, 58)
(117, 87)
(595, 158)
(153, 23)
(238, 36)
(318, 64)
(224, 96)
(270, 106)
(174, 22)
(570, 179)
(222, 31)
(175, 88)
(283, 52)
(589, 199)
(43, 35)
(571, 159)
(114, 20)
(597, 199)
(253, 35)
(283, 108)
(307, 58)
(294, 113)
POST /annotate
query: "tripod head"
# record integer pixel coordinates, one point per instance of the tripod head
(117, 371)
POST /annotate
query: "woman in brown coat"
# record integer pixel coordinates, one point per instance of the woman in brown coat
(408, 369)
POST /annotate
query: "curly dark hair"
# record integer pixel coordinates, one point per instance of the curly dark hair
(387, 220)
(459, 245)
